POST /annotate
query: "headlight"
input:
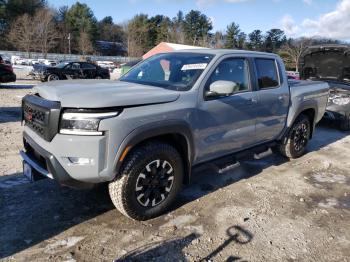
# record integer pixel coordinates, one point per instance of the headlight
(340, 100)
(83, 123)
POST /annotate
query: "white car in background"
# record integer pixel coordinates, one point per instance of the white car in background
(106, 64)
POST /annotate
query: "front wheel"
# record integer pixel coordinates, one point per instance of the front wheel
(297, 138)
(149, 181)
(52, 77)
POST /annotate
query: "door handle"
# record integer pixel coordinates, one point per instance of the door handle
(281, 98)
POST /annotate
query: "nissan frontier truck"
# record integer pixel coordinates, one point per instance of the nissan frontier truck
(144, 133)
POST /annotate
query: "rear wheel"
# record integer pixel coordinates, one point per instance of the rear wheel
(149, 181)
(53, 77)
(297, 138)
(345, 123)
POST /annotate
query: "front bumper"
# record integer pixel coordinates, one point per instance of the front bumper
(47, 165)
(52, 157)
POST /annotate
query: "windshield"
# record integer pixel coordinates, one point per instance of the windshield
(61, 65)
(175, 71)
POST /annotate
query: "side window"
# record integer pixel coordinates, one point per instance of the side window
(231, 69)
(267, 73)
(75, 66)
(87, 66)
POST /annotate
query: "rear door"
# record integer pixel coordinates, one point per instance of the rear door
(89, 70)
(273, 99)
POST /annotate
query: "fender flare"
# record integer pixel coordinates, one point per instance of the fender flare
(305, 105)
(154, 130)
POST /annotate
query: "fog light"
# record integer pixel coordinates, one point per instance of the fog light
(81, 160)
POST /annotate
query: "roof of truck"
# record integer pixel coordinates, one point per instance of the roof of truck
(214, 51)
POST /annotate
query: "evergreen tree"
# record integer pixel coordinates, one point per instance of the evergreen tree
(255, 40)
(196, 26)
(232, 34)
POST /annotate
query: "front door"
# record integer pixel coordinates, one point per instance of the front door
(89, 70)
(73, 71)
(227, 124)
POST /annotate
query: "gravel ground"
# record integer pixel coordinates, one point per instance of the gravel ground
(259, 210)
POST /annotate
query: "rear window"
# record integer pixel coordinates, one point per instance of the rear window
(267, 73)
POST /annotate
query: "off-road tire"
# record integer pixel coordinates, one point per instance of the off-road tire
(345, 123)
(122, 190)
(288, 148)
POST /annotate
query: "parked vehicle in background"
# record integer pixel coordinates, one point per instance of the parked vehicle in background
(22, 61)
(69, 70)
(106, 64)
(293, 75)
(331, 63)
(34, 62)
(144, 133)
(50, 62)
(6, 72)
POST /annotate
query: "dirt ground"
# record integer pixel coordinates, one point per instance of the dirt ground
(259, 210)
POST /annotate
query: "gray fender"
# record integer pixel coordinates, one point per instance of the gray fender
(153, 130)
(305, 105)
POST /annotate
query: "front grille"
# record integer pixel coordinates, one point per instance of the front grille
(34, 118)
(41, 115)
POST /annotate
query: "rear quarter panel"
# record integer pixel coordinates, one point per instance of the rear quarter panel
(306, 95)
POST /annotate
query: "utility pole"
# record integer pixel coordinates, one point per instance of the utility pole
(69, 50)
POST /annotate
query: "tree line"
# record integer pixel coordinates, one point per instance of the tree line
(34, 26)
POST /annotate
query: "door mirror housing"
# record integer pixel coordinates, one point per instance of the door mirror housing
(221, 88)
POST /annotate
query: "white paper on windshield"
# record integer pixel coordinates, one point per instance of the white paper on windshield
(194, 66)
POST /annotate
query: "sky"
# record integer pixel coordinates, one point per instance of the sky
(325, 18)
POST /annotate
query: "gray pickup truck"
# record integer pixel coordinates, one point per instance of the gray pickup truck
(169, 113)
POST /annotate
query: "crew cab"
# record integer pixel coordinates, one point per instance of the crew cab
(69, 70)
(330, 63)
(144, 133)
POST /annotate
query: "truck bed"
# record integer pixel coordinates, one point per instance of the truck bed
(306, 93)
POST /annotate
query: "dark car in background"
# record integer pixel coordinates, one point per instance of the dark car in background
(330, 63)
(69, 70)
(6, 72)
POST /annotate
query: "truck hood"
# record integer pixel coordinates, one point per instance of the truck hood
(103, 93)
(328, 62)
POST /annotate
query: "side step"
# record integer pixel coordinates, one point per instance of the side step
(261, 155)
(226, 163)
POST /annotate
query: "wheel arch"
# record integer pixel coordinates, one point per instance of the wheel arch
(177, 134)
(308, 109)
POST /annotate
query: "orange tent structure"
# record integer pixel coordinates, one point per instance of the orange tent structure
(165, 47)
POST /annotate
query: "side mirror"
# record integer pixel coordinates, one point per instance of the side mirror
(221, 88)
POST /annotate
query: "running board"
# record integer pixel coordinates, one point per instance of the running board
(231, 161)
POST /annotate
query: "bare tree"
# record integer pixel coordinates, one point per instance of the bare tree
(21, 33)
(85, 45)
(294, 49)
(46, 32)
